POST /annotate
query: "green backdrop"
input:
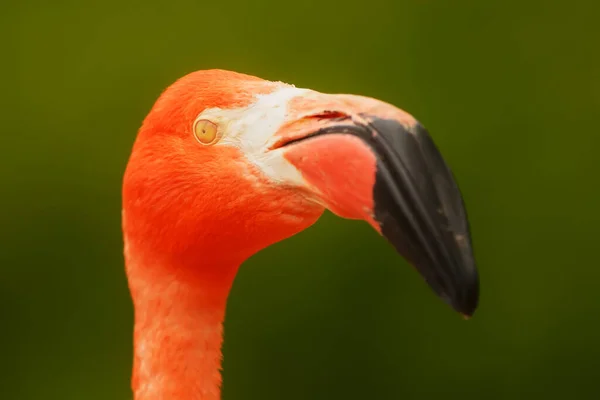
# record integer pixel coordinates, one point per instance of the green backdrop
(510, 91)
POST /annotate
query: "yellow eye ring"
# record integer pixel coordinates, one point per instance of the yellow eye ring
(206, 132)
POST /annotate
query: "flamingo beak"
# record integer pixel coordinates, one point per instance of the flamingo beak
(390, 173)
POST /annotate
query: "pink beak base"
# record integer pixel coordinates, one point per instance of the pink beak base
(341, 169)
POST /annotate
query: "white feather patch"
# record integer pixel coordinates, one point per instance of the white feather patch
(252, 129)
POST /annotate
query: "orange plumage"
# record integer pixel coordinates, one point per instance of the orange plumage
(192, 213)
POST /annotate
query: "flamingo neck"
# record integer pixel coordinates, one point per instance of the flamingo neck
(178, 328)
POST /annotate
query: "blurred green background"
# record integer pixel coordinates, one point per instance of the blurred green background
(510, 91)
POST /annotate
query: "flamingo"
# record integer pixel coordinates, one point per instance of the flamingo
(226, 164)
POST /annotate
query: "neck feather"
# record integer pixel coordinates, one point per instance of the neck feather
(179, 312)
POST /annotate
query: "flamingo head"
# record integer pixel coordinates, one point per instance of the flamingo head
(226, 164)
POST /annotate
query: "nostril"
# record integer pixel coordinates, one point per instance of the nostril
(314, 124)
(331, 115)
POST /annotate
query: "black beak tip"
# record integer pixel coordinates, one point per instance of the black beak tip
(467, 304)
(464, 298)
(421, 212)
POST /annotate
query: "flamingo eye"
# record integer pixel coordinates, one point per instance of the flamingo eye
(206, 132)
